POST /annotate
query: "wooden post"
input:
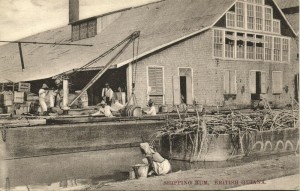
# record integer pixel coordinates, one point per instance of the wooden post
(65, 94)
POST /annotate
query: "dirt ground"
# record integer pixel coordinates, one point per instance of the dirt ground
(256, 172)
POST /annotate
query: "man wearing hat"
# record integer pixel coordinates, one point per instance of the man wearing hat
(152, 110)
(107, 94)
(42, 98)
(157, 164)
(104, 109)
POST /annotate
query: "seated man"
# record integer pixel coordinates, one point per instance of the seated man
(157, 164)
(152, 110)
(104, 109)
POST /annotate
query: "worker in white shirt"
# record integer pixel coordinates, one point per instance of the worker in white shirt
(104, 109)
(152, 110)
(42, 98)
(157, 164)
(107, 94)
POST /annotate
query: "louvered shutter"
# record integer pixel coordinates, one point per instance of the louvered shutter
(155, 79)
(232, 81)
(277, 82)
(176, 90)
(226, 82)
(189, 91)
(252, 82)
(263, 82)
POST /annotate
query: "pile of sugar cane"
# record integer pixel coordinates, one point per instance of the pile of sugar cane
(262, 120)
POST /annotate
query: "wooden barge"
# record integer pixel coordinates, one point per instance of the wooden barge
(224, 147)
(77, 134)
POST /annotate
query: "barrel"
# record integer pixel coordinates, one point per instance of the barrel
(84, 99)
(133, 110)
(164, 109)
(141, 170)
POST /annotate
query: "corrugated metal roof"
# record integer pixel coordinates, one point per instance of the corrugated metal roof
(283, 4)
(159, 23)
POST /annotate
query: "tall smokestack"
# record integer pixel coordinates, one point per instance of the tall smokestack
(73, 10)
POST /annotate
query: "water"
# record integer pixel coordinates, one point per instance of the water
(79, 170)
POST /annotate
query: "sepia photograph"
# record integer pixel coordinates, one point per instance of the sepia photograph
(149, 95)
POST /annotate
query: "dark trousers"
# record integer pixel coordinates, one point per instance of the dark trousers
(107, 101)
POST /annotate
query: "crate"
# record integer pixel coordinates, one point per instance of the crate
(19, 97)
(6, 99)
(22, 109)
(9, 109)
(24, 87)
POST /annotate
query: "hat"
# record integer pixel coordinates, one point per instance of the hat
(106, 84)
(102, 103)
(146, 147)
(45, 86)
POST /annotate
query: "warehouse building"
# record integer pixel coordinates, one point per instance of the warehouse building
(213, 52)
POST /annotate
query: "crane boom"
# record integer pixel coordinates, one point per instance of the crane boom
(129, 39)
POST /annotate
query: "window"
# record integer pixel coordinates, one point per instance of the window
(83, 30)
(285, 50)
(277, 82)
(218, 43)
(230, 82)
(75, 32)
(259, 47)
(259, 2)
(240, 45)
(259, 18)
(268, 48)
(250, 16)
(92, 28)
(230, 19)
(277, 49)
(229, 45)
(155, 82)
(258, 82)
(250, 46)
(276, 26)
(86, 29)
(268, 19)
(240, 14)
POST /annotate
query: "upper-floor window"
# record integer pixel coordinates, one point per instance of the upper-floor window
(268, 19)
(252, 15)
(285, 50)
(230, 19)
(240, 14)
(85, 29)
(259, 18)
(229, 44)
(241, 45)
(259, 47)
(276, 26)
(268, 47)
(218, 43)
(277, 49)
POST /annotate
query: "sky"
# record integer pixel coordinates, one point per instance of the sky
(22, 18)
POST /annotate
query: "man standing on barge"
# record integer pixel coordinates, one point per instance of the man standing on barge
(107, 94)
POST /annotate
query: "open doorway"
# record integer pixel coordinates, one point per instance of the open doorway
(114, 77)
(186, 86)
(296, 82)
(256, 95)
(258, 84)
